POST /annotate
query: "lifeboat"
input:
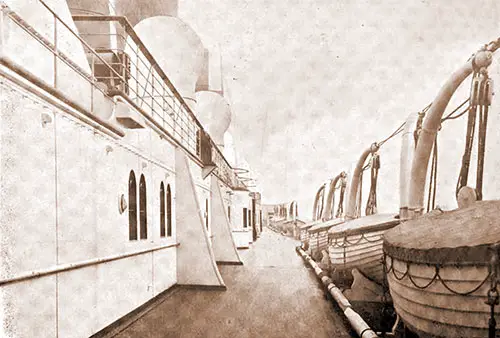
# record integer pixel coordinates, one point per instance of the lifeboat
(439, 280)
(304, 234)
(357, 243)
(318, 236)
(442, 268)
(318, 233)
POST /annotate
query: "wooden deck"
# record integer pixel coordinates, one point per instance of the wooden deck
(272, 295)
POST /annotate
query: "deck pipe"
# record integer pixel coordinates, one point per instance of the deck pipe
(430, 127)
(356, 176)
(328, 210)
(356, 321)
(407, 151)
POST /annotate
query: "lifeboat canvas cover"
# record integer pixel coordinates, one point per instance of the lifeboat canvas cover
(365, 224)
(461, 236)
(325, 225)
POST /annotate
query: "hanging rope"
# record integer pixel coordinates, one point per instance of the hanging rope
(330, 216)
(436, 277)
(420, 121)
(360, 193)
(480, 100)
(320, 209)
(431, 196)
(340, 207)
(485, 101)
(493, 298)
(371, 204)
(469, 135)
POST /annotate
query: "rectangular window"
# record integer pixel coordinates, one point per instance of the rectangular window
(245, 224)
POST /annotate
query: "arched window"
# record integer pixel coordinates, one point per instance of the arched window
(169, 211)
(143, 216)
(132, 206)
(162, 210)
(206, 213)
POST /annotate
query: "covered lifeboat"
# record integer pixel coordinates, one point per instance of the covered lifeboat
(442, 268)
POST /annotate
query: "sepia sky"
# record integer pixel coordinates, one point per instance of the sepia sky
(312, 83)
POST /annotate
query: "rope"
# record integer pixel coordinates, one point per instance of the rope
(340, 207)
(483, 123)
(371, 204)
(493, 297)
(322, 196)
(418, 127)
(469, 136)
(396, 132)
(345, 242)
(431, 197)
(333, 205)
(478, 111)
(450, 117)
(435, 277)
(360, 193)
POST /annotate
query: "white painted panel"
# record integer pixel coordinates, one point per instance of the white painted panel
(112, 182)
(165, 269)
(123, 285)
(77, 302)
(27, 194)
(162, 151)
(75, 190)
(30, 308)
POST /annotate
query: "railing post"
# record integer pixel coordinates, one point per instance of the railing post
(55, 51)
(163, 110)
(136, 73)
(92, 85)
(152, 93)
(2, 38)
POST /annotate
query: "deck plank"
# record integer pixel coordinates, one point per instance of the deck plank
(272, 295)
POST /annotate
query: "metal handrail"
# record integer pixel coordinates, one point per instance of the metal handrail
(181, 115)
(133, 35)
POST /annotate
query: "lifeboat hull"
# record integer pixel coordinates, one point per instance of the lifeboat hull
(318, 237)
(318, 242)
(359, 244)
(435, 311)
(363, 252)
(438, 270)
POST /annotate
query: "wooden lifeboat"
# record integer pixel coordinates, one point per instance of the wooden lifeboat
(318, 236)
(304, 234)
(438, 270)
(358, 244)
(442, 268)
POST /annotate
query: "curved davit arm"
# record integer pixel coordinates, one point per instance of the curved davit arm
(316, 203)
(432, 122)
(328, 210)
(354, 186)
